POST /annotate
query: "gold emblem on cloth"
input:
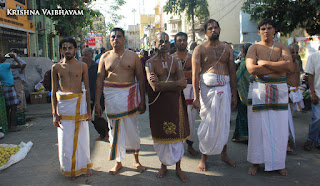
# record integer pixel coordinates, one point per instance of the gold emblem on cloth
(169, 128)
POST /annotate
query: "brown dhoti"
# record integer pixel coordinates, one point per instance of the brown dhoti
(168, 117)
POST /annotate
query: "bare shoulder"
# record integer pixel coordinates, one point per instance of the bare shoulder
(254, 46)
(104, 55)
(280, 45)
(83, 64)
(228, 47)
(131, 55)
(199, 49)
(174, 58)
(56, 66)
(151, 60)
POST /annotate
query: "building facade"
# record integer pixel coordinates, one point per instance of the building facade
(15, 30)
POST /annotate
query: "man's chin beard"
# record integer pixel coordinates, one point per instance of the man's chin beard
(69, 58)
(214, 38)
(181, 49)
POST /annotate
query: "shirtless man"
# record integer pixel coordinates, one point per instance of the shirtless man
(118, 70)
(70, 111)
(184, 60)
(168, 114)
(293, 78)
(213, 66)
(293, 81)
(268, 116)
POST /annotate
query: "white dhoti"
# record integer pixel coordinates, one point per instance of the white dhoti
(268, 122)
(121, 102)
(297, 104)
(169, 153)
(73, 135)
(215, 101)
(192, 112)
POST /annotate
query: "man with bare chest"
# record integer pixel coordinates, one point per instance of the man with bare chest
(120, 73)
(213, 70)
(270, 62)
(184, 61)
(70, 111)
(168, 114)
(295, 95)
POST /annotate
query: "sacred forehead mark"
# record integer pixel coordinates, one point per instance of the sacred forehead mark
(67, 45)
(164, 37)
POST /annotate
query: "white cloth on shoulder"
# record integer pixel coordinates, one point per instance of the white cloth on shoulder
(296, 97)
(73, 133)
(215, 101)
(121, 102)
(169, 153)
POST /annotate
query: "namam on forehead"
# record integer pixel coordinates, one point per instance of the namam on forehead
(67, 45)
(163, 36)
(117, 32)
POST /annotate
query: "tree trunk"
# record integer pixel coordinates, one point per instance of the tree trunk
(193, 31)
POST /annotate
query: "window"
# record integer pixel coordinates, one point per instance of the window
(22, 1)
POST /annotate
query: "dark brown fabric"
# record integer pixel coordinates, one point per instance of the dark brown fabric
(168, 117)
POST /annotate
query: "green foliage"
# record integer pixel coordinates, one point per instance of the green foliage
(71, 25)
(199, 8)
(287, 14)
(306, 95)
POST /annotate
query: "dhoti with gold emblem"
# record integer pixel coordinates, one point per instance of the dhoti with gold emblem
(73, 133)
(121, 102)
(169, 125)
(215, 101)
(268, 122)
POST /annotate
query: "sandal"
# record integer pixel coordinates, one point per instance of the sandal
(308, 145)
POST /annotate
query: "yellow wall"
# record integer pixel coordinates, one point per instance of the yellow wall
(16, 21)
(144, 21)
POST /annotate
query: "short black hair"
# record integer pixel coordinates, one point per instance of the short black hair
(210, 21)
(246, 48)
(180, 34)
(265, 21)
(68, 40)
(102, 49)
(117, 29)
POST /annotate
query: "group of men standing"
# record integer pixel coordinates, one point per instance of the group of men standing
(180, 85)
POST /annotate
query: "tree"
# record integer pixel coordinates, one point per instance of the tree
(71, 25)
(80, 25)
(192, 8)
(287, 14)
(111, 11)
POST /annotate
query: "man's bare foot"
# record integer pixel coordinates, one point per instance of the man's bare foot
(89, 173)
(116, 168)
(227, 160)
(139, 167)
(283, 172)
(202, 165)
(192, 151)
(253, 169)
(289, 149)
(181, 175)
(162, 171)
